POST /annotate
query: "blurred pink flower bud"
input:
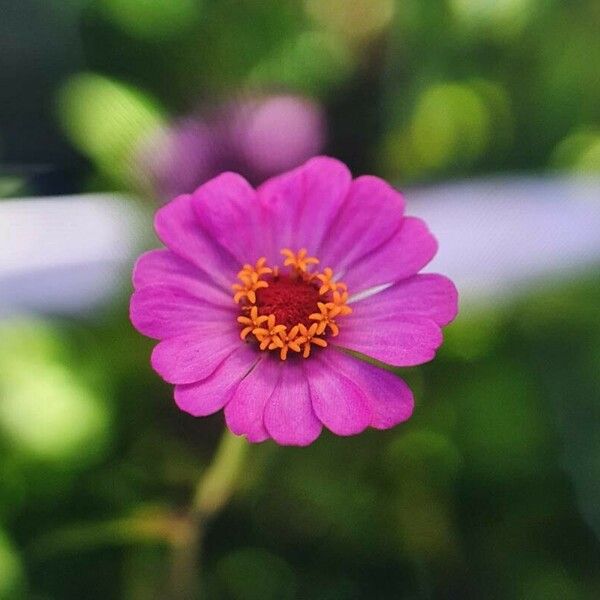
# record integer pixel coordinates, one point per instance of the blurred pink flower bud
(177, 159)
(276, 133)
(258, 137)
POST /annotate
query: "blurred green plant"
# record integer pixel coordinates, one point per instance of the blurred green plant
(154, 19)
(106, 120)
(11, 570)
(47, 411)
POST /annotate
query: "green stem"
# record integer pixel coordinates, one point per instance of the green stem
(218, 482)
(214, 489)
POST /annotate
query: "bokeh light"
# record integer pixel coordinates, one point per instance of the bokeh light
(499, 18)
(312, 63)
(359, 19)
(579, 152)
(153, 19)
(450, 123)
(46, 410)
(451, 127)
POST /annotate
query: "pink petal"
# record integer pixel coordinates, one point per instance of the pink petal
(289, 416)
(178, 228)
(338, 401)
(211, 394)
(404, 341)
(244, 413)
(429, 295)
(160, 311)
(403, 255)
(390, 399)
(304, 203)
(194, 355)
(163, 267)
(228, 209)
(370, 215)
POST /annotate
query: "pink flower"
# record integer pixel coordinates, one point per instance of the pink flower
(266, 301)
(259, 136)
(272, 134)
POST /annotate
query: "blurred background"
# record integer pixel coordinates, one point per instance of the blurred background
(486, 113)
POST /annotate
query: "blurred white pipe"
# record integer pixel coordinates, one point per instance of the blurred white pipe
(497, 238)
(500, 238)
(67, 254)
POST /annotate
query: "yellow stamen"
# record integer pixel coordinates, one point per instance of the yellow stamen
(252, 322)
(340, 299)
(325, 317)
(269, 335)
(308, 337)
(259, 268)
(251, 281)
(299, 260)
(327, 282)
(290, 341)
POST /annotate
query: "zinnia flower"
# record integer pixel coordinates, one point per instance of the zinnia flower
(273, 304)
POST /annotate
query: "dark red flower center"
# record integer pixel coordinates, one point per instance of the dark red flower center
(291, 299)
(289, 309)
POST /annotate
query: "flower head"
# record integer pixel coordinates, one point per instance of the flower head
(267, 302)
